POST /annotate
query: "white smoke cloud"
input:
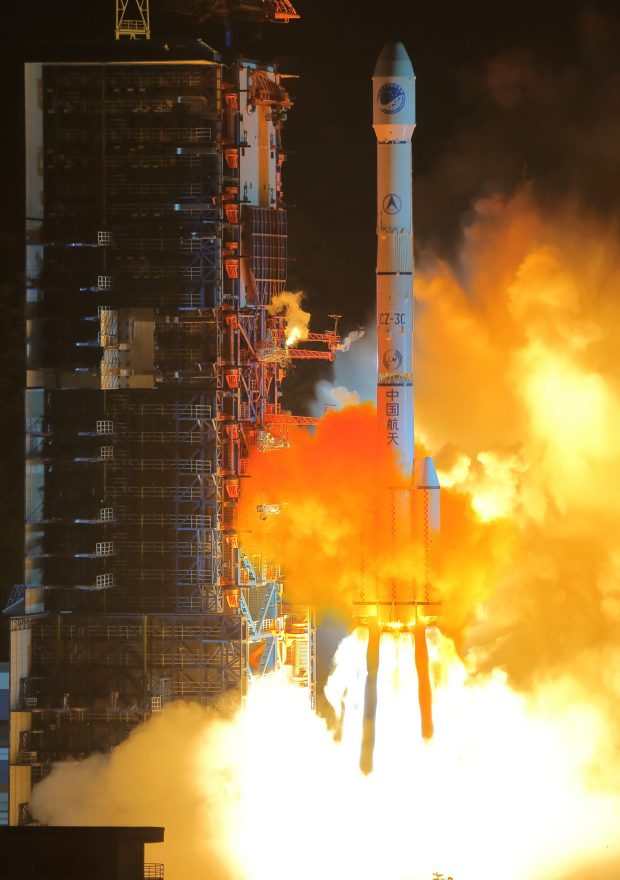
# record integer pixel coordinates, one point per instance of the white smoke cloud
(538, 768)
(350, 338)
(355, 373)
(334, 396)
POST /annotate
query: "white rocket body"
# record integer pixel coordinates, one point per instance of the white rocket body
(393, 88)
(393, 91)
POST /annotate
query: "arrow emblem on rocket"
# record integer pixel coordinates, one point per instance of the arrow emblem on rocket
(392, 203)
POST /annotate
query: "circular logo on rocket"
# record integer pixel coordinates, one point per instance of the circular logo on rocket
(391, 98)
(392, 360)
(392, 203)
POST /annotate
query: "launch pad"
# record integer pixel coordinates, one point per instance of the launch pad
(372, 614)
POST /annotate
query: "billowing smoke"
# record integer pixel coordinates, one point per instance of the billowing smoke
(333, 396)
(517, 396)
(519, 392)
(523, 785)
(355, 372)
(171, 771)
(350, 338)
(297, 319)
(331, 488)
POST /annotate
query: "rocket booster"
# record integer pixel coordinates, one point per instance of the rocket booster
(393, 88)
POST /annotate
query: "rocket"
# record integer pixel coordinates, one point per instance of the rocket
(393, 91)
(412, 606)
(393, 120)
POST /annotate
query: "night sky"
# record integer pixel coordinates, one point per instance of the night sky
(509, 94)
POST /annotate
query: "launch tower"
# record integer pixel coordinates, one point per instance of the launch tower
(156, 239)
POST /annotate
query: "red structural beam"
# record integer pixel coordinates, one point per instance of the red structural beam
(286, 419)
(330, 338)
(301, 354)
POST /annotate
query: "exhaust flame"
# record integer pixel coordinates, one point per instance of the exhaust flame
(344, 691)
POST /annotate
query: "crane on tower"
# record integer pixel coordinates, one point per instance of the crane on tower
(133, 19)
(277, 11)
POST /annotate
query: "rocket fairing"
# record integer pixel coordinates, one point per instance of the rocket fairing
(393, 87)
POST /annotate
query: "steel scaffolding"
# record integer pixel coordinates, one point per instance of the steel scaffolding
(156, 239)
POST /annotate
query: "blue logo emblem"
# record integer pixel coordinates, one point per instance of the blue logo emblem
(392, 203)
(391, 98)
(392, 360)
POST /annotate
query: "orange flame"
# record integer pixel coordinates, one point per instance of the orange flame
(334, 534)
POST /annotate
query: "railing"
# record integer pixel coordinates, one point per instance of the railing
(182, 548)
(16, 595)
(180, 411)
(190, 522)
(153, 604)
(188, 466)
(78, 715)
(119, 130)
(28, 757)
(155, 80)
(172, 493)
(153, 871)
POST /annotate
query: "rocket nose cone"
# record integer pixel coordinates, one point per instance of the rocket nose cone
(393, 61)
(427, 475)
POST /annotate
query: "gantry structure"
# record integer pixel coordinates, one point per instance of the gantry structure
(133, 17)
(277, 11)
(156, 240)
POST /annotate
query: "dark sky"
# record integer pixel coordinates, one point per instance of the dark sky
(508, 92)
(505, 92)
